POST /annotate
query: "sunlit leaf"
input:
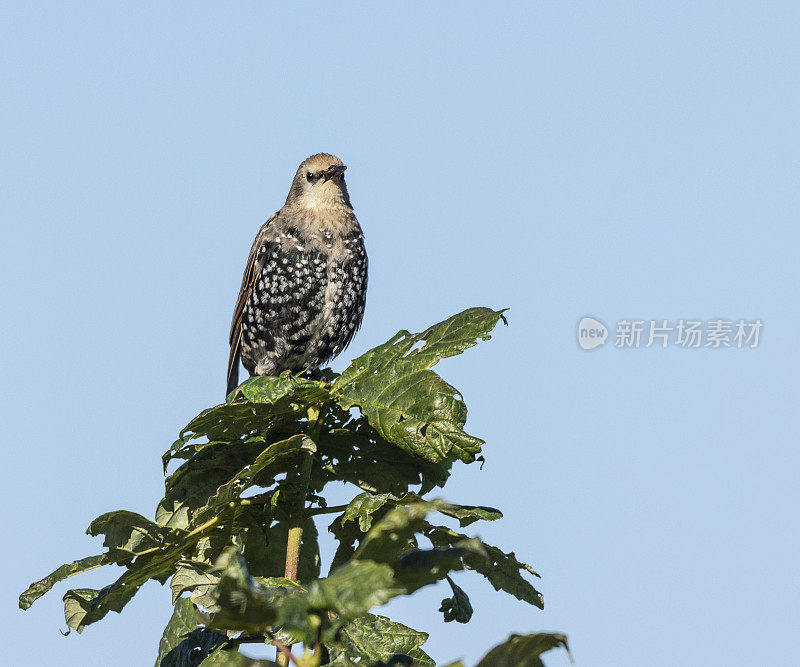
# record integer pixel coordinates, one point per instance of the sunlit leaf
(39, 588)
(415, 410)
(378, 638)
(407, 403)
(362, 507)
(127, 534)
(77, 603)
(286, 394)
(445, 339)
(467, 514)
(194, 578)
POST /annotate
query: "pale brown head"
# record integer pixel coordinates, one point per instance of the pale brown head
(319, 183)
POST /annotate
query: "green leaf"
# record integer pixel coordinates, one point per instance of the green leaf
(243, 603)
(353, 590)
(77, 603)
(277, 458)
(458, 607)
(501, 569)
(181, 623)
(523, 650)
(194, 578)
(159, 564)
(190, 486)
(359, 455)
(127, 534)
(422, 567)
(227, 422)
(286, 394)
(394, 534)
(362, 507)
(377, 638)
(85, 606)
(392, 540)
(222, 472)
(445, 339)
(39, 588)
(467, 514)
(83, 610)
(415, 410)
(408, 404)
(183, 643)
(260, 404)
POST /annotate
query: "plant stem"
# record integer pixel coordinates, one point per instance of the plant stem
(296, 520)
(284, 653)
(297, 516)
(208, 524)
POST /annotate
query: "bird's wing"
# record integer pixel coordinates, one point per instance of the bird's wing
(250, 272)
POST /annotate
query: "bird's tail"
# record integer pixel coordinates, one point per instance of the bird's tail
(233, 368)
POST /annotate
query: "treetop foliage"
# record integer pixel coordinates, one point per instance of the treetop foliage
(235, 536)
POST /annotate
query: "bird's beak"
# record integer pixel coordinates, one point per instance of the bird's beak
(334, 172)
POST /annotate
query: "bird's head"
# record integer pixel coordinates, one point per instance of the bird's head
(319, 183)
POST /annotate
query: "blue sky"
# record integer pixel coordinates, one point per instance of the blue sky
(619, 160)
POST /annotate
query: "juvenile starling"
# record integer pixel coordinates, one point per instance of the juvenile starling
(305, 283)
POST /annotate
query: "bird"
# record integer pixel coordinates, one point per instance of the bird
(304, 288)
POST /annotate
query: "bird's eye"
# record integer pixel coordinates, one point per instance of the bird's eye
(311, 178)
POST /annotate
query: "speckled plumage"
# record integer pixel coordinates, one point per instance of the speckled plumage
(304, 287)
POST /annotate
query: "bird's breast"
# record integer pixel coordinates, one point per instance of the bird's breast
(308, 299)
